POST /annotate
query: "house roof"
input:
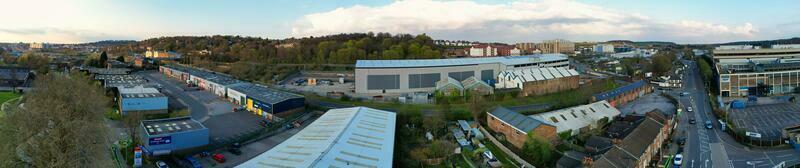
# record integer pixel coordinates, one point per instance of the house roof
(598, 143)
(571, 159)
(618, 91)
(508, 61)
(345, 137)
(516, 120)
(473, 82)
(577, 117)
(633, 146)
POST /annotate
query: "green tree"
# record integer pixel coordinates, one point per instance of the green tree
(538, 151)
(103, 58)
(121, 59)
(39, 63)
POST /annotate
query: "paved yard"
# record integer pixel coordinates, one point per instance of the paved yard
(766, 119)
(647, 103)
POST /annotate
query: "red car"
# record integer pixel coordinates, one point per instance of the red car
(219, 158)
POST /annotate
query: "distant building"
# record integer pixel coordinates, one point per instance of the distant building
(637, 149)
(162, 54)
(622, 95)
(346, 137)
(603, 48)
(515, 52)
(539, 81)
(141, 100)
(557, 46)
(516, 127)
(526, 48)
(482, 50)
(165, 136)
(33, 46)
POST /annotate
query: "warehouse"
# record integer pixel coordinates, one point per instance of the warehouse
(539, 81)
(266, 102)
(346, 137)
(164, 136)
(410, 76)
(108, 71)
(212, 82)
(141, 100)
(175, 71)
(579, 119)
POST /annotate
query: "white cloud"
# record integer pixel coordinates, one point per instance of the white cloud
(512, 22)
(53, 35)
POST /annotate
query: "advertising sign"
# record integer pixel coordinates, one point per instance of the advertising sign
(160, 140)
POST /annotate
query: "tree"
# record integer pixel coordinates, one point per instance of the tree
(477, 106)
(103, 58)
(121, 59)
(39, 63)
(662, 62)
(62, 125)
(538, 151)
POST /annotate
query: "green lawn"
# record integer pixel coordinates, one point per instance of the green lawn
(5, 96)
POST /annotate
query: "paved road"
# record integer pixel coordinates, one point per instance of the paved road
(720, 149)
(175, 89)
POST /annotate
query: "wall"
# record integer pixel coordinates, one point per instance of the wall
(550, 86)
(514, 136)
(236, 97)
(155, 104)
(181, 140)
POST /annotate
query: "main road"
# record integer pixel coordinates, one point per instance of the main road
(713, 147)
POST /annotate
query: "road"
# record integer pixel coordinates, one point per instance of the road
(713, 147)
(198, 110)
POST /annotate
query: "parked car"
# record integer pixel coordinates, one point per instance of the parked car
(709, 125)
(682, 141)
(236, 145)
(236, 109)
(692, 121)
(684, 93)
(194, 163)
(161, 164)
(678, 160)
(235, 151)
(689, 109)
(219, 158)
(263, 123)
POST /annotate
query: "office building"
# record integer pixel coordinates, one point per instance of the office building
(165, 136)
(749, 70)
(141, 100)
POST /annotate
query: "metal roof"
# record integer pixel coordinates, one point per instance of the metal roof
(473, 82)
(449, 82)
(507, 60)
(537, 74)
(618, 91)
(263, 93)
(109, 71)
(516, 120)
(577, 117)
(345, 137)
(171, 125)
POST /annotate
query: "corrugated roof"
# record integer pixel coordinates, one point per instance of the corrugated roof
(618, 91)
(508, 60)
(346, 137)
(577, 117)
(516, 120)
(537, 74)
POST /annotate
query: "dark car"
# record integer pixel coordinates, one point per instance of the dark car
(692, 121)
(235, 151)
(682, 141)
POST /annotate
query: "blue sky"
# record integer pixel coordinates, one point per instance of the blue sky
(682, 21)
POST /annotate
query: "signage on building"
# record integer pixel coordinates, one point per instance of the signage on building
(137, 157)
(160, 140)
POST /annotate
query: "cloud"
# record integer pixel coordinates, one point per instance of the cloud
(513, 22)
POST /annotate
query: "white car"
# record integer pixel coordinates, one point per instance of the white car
(689, 109)
(678, 160)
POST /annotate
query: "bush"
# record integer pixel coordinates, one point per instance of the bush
(113, 115)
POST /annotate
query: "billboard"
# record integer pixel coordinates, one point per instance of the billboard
(160, 140)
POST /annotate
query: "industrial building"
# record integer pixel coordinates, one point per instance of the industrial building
(114, 81)
(746, 70)
(264, 101)
(622, 95)
(107, 71)
(539, 81)
(141, 100)
(581, 118)
(165, 136)
(516, 127)
(175, 71)
(346, 137)
(213, 82)
(410, 76)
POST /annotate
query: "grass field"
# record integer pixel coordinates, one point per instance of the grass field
(6, 96)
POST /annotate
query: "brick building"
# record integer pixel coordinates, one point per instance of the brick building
(539, 81)
(516, 127)
(622, 95)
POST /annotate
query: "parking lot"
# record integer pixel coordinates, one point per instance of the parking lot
(766, 119)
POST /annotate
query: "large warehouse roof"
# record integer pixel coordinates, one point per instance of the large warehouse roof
(508, 60)
(346, 137)
(263, 93)
(577, 117)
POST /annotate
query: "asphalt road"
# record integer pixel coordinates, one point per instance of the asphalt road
(175, 89)
(712, 147)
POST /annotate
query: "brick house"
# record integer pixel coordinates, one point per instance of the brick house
(516, 127)
(637, 149)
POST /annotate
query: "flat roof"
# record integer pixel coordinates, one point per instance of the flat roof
(112, 71)
(117, 77)
(171, 125)
(142, 95)
(215, 77)
(507, 60)
(263, 93)
(345, 137)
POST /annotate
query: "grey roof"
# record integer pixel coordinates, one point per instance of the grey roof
(571, 159)
(17, 73)
(633, 146)
(508, 60)
(516, 120)
(215, 77)
(109, 71)
(263, 93)
(171, 125)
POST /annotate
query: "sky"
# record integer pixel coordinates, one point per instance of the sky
(681, 21)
